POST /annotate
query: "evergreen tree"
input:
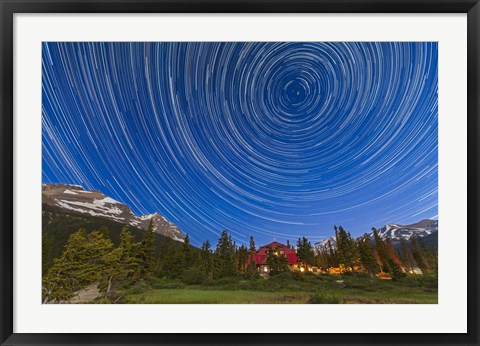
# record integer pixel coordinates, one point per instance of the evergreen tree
(332, 254)
(428, 255)
(207, 259)
(252, 270)
(196, 258)
(319, 259)
(368, 260)
(382, 251)
(347, 252)
(47, 253)
(341, 237)
(391, 251)
(323, 258)
(305, 253)
(104, 231)
(252, 248)
(187, 253)
(418, 254)
(335, 230)
(224, 259)
(171, 260)
(435, 266)
(80, 264)
(406, 253)
(354, 255)
(395, 270)
(147, 252)
(340, 249)
(276, 261)
(241, 257)
(355, 251)
(120, 264)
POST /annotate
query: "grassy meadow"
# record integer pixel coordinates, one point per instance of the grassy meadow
(287, 288)
(119, 268)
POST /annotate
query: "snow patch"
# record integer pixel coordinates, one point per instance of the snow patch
(109, 200)
(178, 239)
(147, 217)
(97, 205)
(135, 223)
(66, 205)
(70, 192)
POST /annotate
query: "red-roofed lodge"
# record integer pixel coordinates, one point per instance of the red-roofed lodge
(260, 256)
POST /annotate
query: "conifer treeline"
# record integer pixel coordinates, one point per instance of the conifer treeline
(375, 255)
(90, 258)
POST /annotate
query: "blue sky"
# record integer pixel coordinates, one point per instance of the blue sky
(275, 140)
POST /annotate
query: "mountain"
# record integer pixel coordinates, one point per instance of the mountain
(427, 229)
(323, 244)
(74, 198)
(59, 224)
(163, 226)
(396, 232)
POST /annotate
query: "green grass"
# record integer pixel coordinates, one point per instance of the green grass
(198, 296)
(288, 289)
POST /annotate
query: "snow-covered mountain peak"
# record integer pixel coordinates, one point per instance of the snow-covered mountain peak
(152, 216)
(394, 232)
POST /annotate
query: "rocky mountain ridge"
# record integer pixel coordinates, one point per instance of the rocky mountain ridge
(394, 232)
(75, 198)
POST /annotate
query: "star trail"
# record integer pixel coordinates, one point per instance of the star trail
(272, 139)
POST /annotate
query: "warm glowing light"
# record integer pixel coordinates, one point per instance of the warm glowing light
(302, 269)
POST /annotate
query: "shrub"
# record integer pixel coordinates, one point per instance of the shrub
(280, 282)
(102, 301)
(323, 298)
(296, 275)
(426, 281)
(309, 277)
(284, 276)
(129, 284)
(230, 282)
(194, 276)
(328, 277)
(166, 283)
(138, 287)
(366, 284)
(135, 290)
(395, 271)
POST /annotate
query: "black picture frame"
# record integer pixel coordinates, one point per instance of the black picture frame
(8, 8)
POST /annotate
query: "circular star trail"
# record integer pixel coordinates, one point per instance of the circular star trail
(274, 140)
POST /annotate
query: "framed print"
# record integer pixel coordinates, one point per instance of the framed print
(237, 173)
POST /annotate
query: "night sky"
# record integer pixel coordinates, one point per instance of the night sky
(275, 140)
